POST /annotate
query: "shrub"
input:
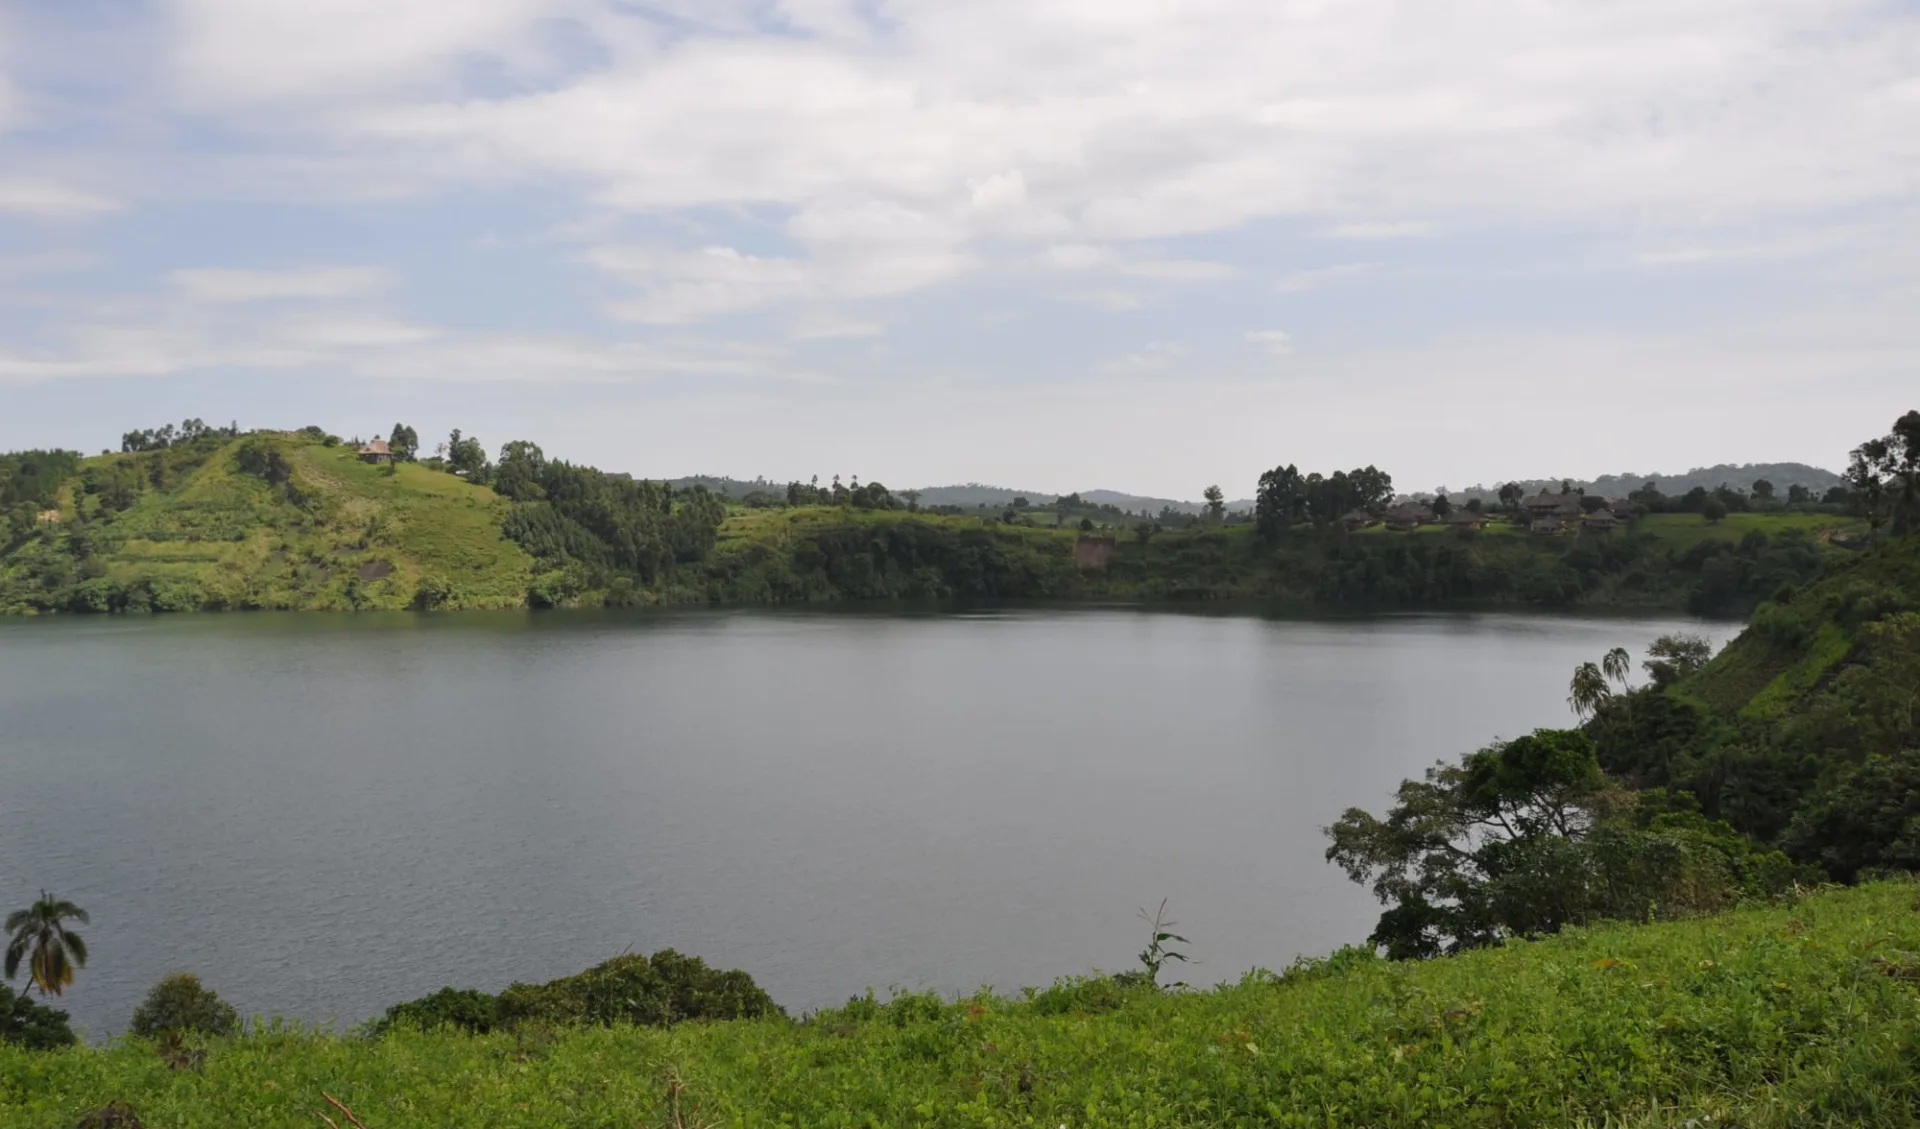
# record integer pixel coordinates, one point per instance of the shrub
(1088, 995)
(33, 1026)
(655, 991)
(467, 1009)
(178, 1004)
(1782, 625)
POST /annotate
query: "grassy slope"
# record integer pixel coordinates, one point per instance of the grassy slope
(1790, 1015)
(365, 540)
(1758, 676)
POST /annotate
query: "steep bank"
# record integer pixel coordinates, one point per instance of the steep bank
(1797, 1014)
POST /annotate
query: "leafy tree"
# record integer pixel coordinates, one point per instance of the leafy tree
(656, 991)
(180, 1004)
(1520, 838)
(1714, 510)
(466, 457)
(1797, 495)
(1763, 490)
(1671, 658)
(1216, 503)
(1143, 532)
(467, 1009)
(1511, 495)
(1442, 505)
(24, 1023)
(1869, 818)
(39, 936)
(404, 443)
(1870, 467)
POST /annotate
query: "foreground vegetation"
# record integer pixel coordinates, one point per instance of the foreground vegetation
(1793, 1015)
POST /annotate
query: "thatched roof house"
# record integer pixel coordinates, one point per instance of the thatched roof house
(376, 451)
(1409, 515)
(1544, 504)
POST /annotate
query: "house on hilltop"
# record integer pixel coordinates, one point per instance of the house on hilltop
(376, 451)
(1409, 515)
(1467, 519)
(1543, 504)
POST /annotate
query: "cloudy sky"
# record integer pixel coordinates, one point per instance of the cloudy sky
(1056, 244)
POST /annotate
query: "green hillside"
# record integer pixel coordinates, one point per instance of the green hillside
(1799, 1014)
(271, 520)
(213, 519)
(1804, 639)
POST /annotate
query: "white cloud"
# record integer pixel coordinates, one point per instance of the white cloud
(1380, 229)
(1276, 342)
(44, 198)
(1091, 257)
(260, 51)
(998, 191)
(215, 284)
(829, 326)
(1301, 281)
(1154, 357)
(854, 252)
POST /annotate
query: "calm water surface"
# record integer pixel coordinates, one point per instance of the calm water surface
(325, 815)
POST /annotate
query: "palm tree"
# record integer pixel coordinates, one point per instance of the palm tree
(1616, 665)
(38, 935)
(1587, 690)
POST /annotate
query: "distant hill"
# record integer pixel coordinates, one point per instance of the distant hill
(974, 494)
(1742, 476)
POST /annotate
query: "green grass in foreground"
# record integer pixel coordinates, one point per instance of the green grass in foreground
(1798, 1015)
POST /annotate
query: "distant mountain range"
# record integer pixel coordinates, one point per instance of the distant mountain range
(974, 495)
(1741, 476)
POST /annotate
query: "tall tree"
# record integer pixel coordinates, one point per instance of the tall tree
(39, 936)
(1587, 690)
(1615, 666)
(1868, 470)
(1216, 503)
(403, 443)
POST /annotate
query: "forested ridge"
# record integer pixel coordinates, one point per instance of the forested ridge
(199, 517)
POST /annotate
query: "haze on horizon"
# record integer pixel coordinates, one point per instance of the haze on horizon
(1140, 245)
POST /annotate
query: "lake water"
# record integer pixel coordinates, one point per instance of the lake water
(325, 815)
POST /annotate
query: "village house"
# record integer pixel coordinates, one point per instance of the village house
(1548, 526)
(1356, 520)
(1408, 515)
(1543, 504)
(376, 451)
(1600, 521)
(1467, 519)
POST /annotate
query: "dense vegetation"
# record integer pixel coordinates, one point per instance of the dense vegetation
(1790, 1015)
(198, 517)
(1792, 756)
